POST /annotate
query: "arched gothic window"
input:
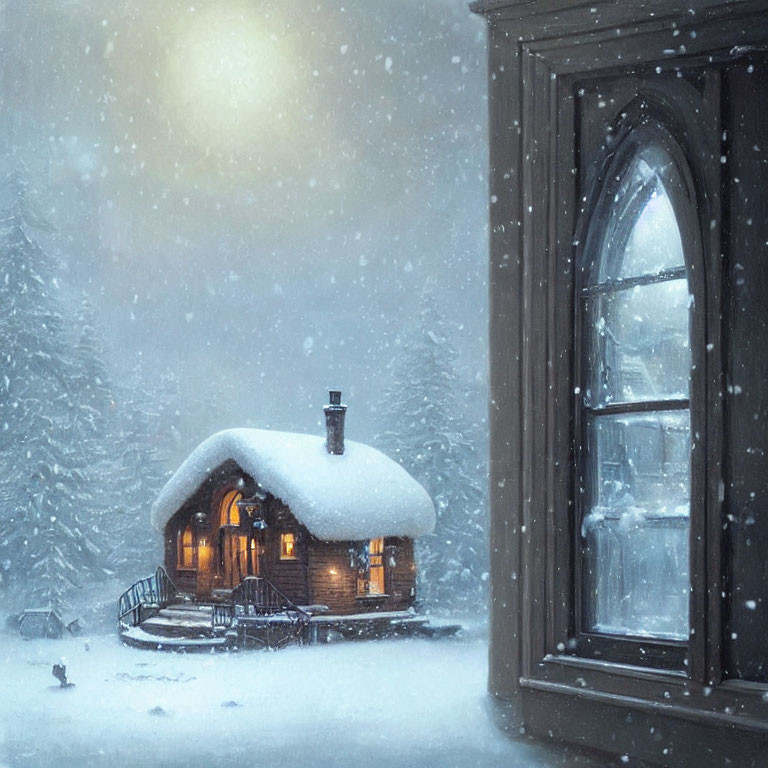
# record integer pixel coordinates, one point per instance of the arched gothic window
(229, 512)
(634, 455)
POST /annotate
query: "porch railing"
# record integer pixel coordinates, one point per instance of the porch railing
(153, 592)
(257, 596)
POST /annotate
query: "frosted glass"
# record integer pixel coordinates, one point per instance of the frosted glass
(654, 243)
(638, 344)
(636, 530)
(642, 236)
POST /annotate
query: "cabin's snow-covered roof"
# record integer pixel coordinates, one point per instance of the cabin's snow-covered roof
(358, 495)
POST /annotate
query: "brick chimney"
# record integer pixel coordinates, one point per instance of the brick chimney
(334, 423)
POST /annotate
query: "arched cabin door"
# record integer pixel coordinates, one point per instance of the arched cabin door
(232, 545)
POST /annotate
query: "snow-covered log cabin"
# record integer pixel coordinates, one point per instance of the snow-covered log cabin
(326, 522)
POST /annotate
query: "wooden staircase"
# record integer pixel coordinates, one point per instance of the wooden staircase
(179, 627)
(153, 614)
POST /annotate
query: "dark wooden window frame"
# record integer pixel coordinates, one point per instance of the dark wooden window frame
(379, 564)
(181, 560)
(550, 192)
(640, 125)
(540, 181)
(386, 572)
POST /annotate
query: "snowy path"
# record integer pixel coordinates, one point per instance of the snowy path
(391, 703)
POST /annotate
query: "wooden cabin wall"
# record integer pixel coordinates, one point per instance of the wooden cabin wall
(400, 578)
(333, 578)
(185, 579)
(205, 583)
(289, 576)
(332, 581)
(200, 581)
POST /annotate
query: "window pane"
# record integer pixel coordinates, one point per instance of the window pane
(234, 511)
(638, 344)
(636, 529)
(229, 513)
(654, 243)
(641, 234)
(287, 546)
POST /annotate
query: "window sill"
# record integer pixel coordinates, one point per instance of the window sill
(377, 596)
(654, 653)
(615, 668)
(185, 569)
(650, 689)
(690, 710)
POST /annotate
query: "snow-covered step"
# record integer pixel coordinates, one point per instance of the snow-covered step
(159, 625)
(180, 626)
(139, 638)
(175, 623)
(188, 607)
(202, 613)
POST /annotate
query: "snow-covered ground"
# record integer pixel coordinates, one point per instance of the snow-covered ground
(390, 703)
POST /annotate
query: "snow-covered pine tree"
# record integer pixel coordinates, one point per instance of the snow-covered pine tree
(47, 544)
(96, 423)
(140, 474)
(93, 382)
(426, 428)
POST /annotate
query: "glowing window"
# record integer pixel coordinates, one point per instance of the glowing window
(287, 546)
(186, 548)
(229, 513)
(376, 567)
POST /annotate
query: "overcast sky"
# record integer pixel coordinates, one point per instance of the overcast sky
(254, 194)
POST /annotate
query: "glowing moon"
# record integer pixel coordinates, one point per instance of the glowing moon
(229, 79)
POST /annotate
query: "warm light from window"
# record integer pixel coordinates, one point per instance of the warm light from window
(186, 550)
(230, 514)
(287, 546)
(333, 572)
(376, 567)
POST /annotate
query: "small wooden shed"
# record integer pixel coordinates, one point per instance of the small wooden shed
(327, 522)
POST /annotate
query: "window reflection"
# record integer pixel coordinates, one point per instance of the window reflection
(639, 347)
(635, 464)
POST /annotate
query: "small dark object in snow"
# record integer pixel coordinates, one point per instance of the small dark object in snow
(45, 623)
(75, 627)
(59, 671)
(157, 712)
(230, 704)
(13, 622)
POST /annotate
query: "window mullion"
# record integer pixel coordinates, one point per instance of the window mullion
(639, 406)
(621, 284)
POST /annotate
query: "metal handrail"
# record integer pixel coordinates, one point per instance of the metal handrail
(257, 596)
(222, 615)
(156, 591)
(268, 598)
